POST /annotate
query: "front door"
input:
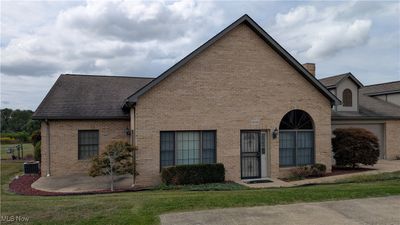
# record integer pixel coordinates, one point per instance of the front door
(250, 154)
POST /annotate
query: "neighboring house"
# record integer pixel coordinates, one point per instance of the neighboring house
(374, 107)
(240, 99)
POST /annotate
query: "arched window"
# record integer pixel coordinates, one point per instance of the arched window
(296, 139)
(347, 97)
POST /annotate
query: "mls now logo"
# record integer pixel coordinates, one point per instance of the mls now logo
(14, 219)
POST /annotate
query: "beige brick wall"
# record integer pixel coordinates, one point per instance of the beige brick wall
(64, 143)
(237, 83)
(392, 134)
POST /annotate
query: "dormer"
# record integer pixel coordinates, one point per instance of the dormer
(346, 88)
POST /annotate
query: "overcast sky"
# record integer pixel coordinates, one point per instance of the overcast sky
(42, 39)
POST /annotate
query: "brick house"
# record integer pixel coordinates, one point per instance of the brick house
(239, 99)
(373, 107)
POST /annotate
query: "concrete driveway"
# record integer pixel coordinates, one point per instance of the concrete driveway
(350, 212)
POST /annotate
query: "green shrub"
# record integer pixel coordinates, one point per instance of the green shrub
(21, 136)
(8, 140)
(318, 170)
(226, 186)
(299, 173)
(38, 151)
(193, 174)
(36, 137)
(352, 146)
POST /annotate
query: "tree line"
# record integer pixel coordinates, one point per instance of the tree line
(18, 124)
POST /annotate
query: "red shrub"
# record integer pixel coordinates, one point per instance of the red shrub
(352, 146)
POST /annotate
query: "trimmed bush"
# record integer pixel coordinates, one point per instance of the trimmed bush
(193, 174)
(299, 173)
(318, 170)
(353, 146)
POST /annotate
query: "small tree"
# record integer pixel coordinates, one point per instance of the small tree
(36, 137)
(116, 160)
(352, 146)
(37, 151)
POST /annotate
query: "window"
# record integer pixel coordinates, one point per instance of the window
(347, 98)
(296, 139)
(187, 147)
(88, 144)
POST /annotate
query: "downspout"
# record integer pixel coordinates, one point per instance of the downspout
(133, 143)
(48, 147)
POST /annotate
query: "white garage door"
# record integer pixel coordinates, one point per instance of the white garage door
(377, 129)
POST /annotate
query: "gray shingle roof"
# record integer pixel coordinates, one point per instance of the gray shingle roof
(332, 81)
(369, 107)
(384, 88)
(88, 97)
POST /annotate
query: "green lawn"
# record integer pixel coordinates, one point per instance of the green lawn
(28, 150)
(144, 207)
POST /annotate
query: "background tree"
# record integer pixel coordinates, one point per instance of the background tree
(352, 146)
(37, 151)
(36, 137)
(116, 160)
(18, 121)
(5, 119)
(17, 126)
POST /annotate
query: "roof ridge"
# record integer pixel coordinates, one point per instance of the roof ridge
(343, 74)
(130, 100)
(97, 75)
(390, 82)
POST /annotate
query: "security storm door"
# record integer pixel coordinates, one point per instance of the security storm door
(250, 154)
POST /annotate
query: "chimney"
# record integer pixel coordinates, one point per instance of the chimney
(310, 67)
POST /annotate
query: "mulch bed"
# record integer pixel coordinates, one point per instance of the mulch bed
(335, 171)
(340, 171)
(22, 186)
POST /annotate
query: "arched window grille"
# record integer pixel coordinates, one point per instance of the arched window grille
(296, 139)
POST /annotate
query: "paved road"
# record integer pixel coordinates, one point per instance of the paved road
(376, 211)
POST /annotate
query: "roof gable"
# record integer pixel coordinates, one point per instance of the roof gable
(333, 81)
(131, 100)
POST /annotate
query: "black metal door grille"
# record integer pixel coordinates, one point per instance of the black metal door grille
(250, 154)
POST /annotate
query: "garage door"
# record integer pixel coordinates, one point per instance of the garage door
(377, 129)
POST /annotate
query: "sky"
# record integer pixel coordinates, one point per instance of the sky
(42, 39)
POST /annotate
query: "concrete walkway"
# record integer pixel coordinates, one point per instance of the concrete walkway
(81, 183)
(350, 212)
(84, 183)
(382, 166)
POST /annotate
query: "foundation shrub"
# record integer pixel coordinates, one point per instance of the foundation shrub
(193, 174)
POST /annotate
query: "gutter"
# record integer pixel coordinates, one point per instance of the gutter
(366, 118)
